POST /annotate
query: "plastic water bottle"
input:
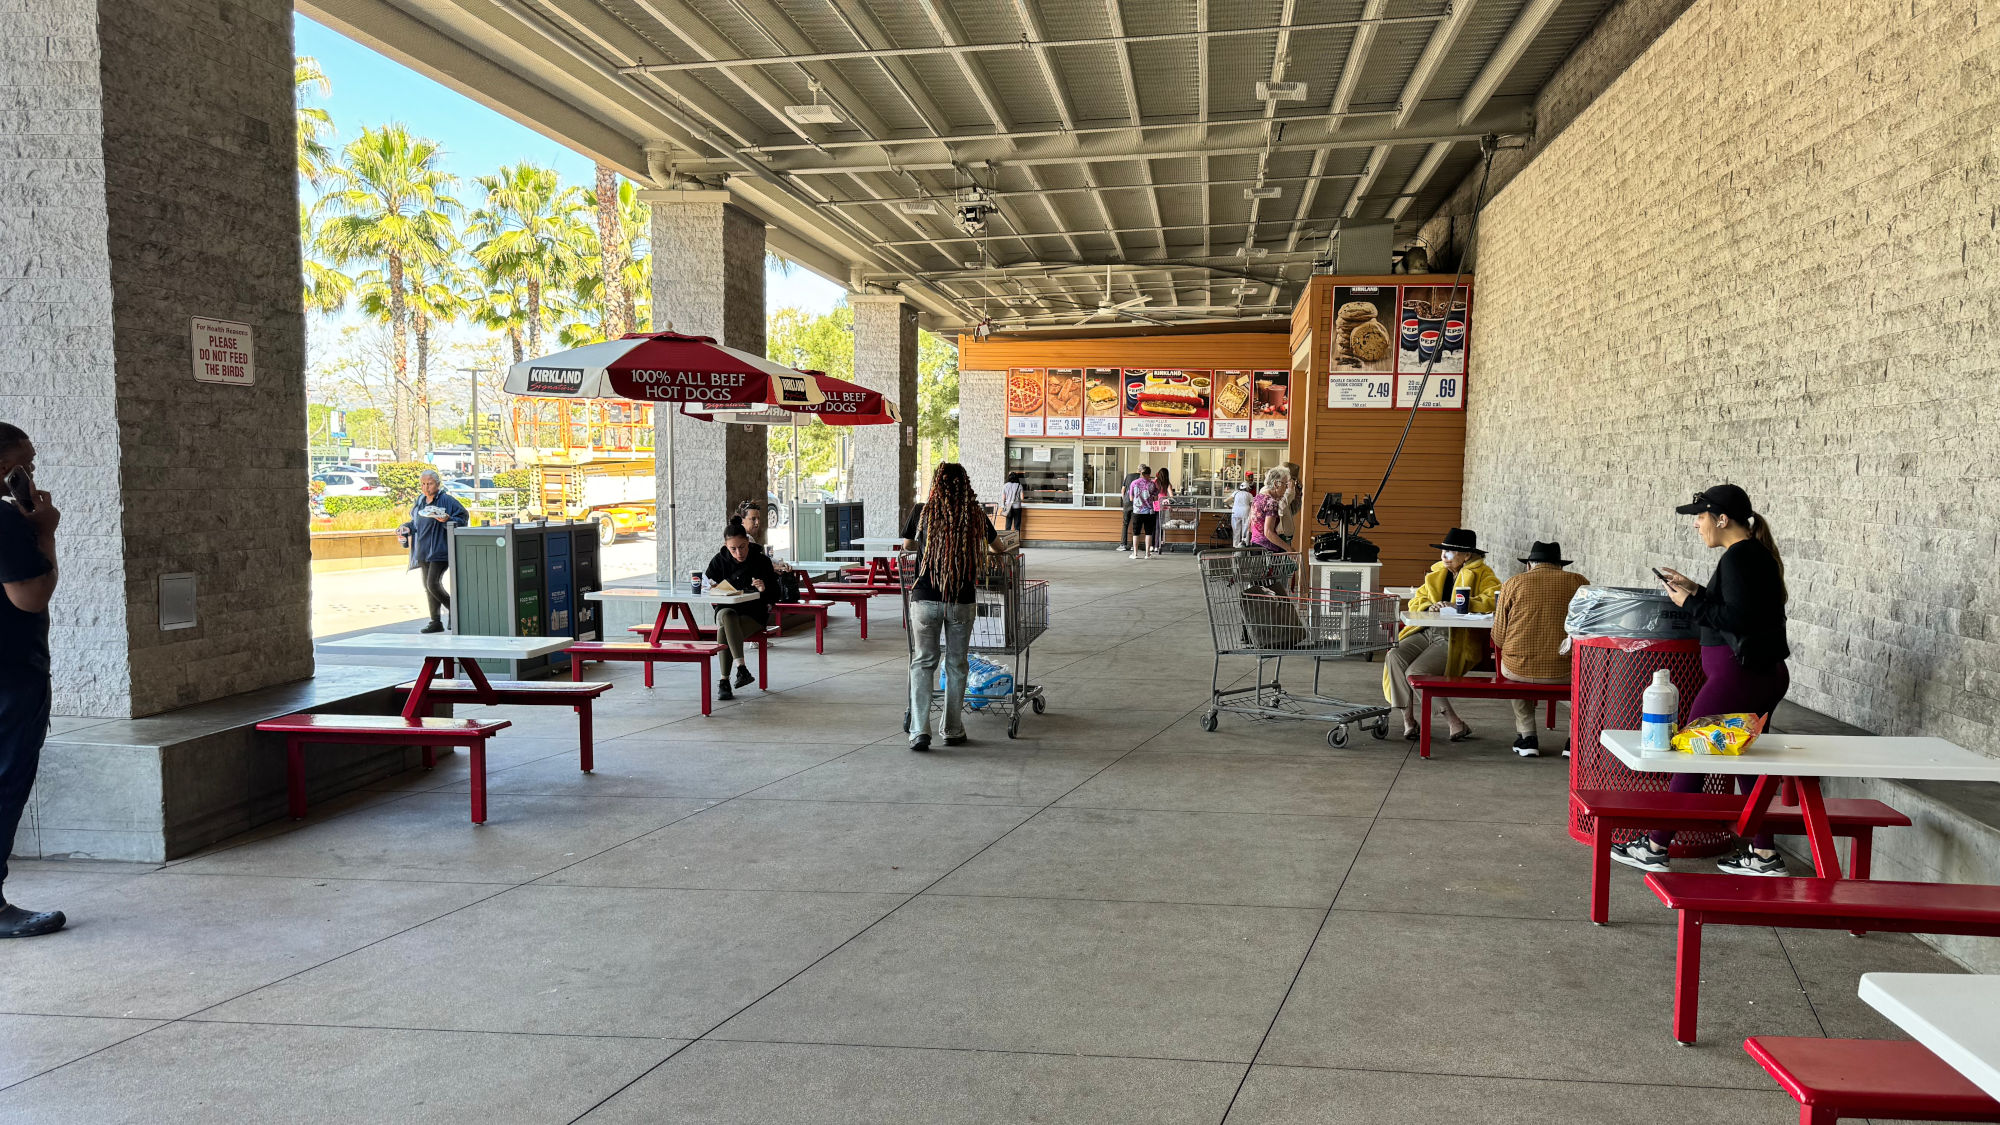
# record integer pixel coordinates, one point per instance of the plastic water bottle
(1658, 708)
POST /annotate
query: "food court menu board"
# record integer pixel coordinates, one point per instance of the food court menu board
(1386, 336)
(1103, 402)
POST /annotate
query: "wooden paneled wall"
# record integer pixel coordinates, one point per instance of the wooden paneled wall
(1347, 451)
(1229, 351)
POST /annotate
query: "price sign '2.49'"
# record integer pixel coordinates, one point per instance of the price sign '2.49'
(224, 352)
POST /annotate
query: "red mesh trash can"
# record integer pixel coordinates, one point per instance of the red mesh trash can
(1609, 675)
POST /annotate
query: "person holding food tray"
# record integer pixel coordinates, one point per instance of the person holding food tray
(948, 532)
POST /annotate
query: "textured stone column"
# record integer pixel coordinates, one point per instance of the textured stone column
(708, 280)
(149, 178)
(982, 429)
(885, 457)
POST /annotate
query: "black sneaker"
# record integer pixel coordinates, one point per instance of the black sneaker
(1749, 861)
(1641, 853)
(743, 676)
(954, 740)
(433, 627)
(16, 922)
(722, 691)
(1527, 747)
(921, 742)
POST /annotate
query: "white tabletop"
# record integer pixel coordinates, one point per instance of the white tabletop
(1819, 755)
(419, 645)
(1431, 619)
(877, 541)
(1345, 565)
(1951, 1013)
(666, 594)
(853, 554)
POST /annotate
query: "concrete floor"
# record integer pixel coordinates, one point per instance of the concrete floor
(779, 914)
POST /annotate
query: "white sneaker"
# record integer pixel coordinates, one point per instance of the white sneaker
(1135, 556)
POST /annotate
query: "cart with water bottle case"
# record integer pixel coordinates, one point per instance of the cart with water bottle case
(1011, 612)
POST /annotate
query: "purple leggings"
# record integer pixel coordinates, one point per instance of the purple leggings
(1731, 688)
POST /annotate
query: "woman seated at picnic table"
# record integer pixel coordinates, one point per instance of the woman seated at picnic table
(746, 567)
(1424, 651)
(1528, 632)
(1741, 616)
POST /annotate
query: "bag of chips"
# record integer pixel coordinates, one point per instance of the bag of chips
(1719, 734)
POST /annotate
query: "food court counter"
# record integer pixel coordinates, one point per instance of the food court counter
(1065, 524)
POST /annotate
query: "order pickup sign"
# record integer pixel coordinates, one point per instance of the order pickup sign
(223, 352)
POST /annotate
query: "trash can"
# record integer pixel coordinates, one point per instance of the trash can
(1619, 636)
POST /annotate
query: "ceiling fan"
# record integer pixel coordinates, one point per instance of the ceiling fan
(1118, 308)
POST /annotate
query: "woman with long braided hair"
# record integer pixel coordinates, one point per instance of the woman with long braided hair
(948, 534)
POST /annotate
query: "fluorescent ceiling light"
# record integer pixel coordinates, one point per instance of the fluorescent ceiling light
(814, 114)
(918, 207)
(1264, 191)
(1252, 251)
(1281, 91)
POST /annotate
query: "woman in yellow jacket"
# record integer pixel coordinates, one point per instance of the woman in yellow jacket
(1445, 652)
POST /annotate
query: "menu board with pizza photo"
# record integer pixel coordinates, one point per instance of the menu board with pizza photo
(1103, 389)
(1062, 402)
(1166, 404)
(1024, 402)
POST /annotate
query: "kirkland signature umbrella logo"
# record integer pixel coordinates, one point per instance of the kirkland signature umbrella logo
(555, 380)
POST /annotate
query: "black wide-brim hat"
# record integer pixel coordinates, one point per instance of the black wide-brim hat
(1545, 553)
(1460, 539)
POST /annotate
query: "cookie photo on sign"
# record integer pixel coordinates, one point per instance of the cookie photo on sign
(1363, 337)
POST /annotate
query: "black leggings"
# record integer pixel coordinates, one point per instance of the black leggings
(1014, 519)
(434, 586)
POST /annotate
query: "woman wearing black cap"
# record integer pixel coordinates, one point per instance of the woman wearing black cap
(1741, 615)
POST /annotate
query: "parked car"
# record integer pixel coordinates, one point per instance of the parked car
(466, 486)
(350, 484)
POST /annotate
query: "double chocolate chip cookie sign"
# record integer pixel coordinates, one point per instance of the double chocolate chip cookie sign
(1362, 339)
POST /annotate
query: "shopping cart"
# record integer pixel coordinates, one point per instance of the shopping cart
(1252, 614)
(1012, 612)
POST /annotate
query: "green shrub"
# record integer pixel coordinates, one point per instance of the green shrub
(365, 521)
(515, 479)
(335, 505)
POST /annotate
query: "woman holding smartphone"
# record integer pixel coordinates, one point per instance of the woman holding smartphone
(1741, 615)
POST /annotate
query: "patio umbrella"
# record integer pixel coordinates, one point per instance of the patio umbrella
(668, 367)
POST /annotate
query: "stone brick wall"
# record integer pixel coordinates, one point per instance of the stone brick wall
(149, 179)
(982, 430)
(885, 359)
(1769, 253)
(710, 282)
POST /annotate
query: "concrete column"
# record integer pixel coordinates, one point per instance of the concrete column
(982, 429)
(885, 457)
(149, 179)
(708, 280)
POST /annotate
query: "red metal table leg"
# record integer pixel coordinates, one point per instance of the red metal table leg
(1424, 722)
(1819, 833)
(586, 748)
(1600, 871)
(763, 663)
(861, 615)
(480, 683)
(1687, 976)
(707, 686)
(1756, 805)
(420, 692)
(659, 627)
(295, 776)
(479, 781)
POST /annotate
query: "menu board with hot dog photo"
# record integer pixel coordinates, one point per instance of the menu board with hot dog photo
(1103, 389)
(1062, 402)
(1434, 326)
(1166, 404)
(1363, 336)
(1024, 402)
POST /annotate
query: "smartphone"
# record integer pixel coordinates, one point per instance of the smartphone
(22, 489)
(1664, 580)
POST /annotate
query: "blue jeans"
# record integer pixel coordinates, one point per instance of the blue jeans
(24, 723)
(929, 619)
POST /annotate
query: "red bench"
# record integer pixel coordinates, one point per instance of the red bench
(1811, 904)
(817, 610)
(669, 652)
(856, 598)
(1477, 686)
(706, 634)
(1885, 1079)
(382, 730)
(1614, 810)
(550, 693)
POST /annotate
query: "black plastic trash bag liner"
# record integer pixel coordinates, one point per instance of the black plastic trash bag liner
(1630, 612)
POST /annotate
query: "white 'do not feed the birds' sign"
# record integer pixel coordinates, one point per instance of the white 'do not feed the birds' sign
(223, 352)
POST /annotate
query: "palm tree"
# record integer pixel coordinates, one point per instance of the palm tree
(313, 122)
(502, 309)
(326, 288)
(390, 203)
(610, 252)
(532, 235)
(437, 295)
(635, 280)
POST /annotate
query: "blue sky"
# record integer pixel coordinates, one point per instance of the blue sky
(370, 89)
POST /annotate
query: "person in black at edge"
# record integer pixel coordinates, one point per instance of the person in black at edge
(1741, 615)
(948, 532)
(745, 566)
(28, 576)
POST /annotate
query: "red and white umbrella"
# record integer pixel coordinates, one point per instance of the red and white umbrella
(665, 367)
(849, 404)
